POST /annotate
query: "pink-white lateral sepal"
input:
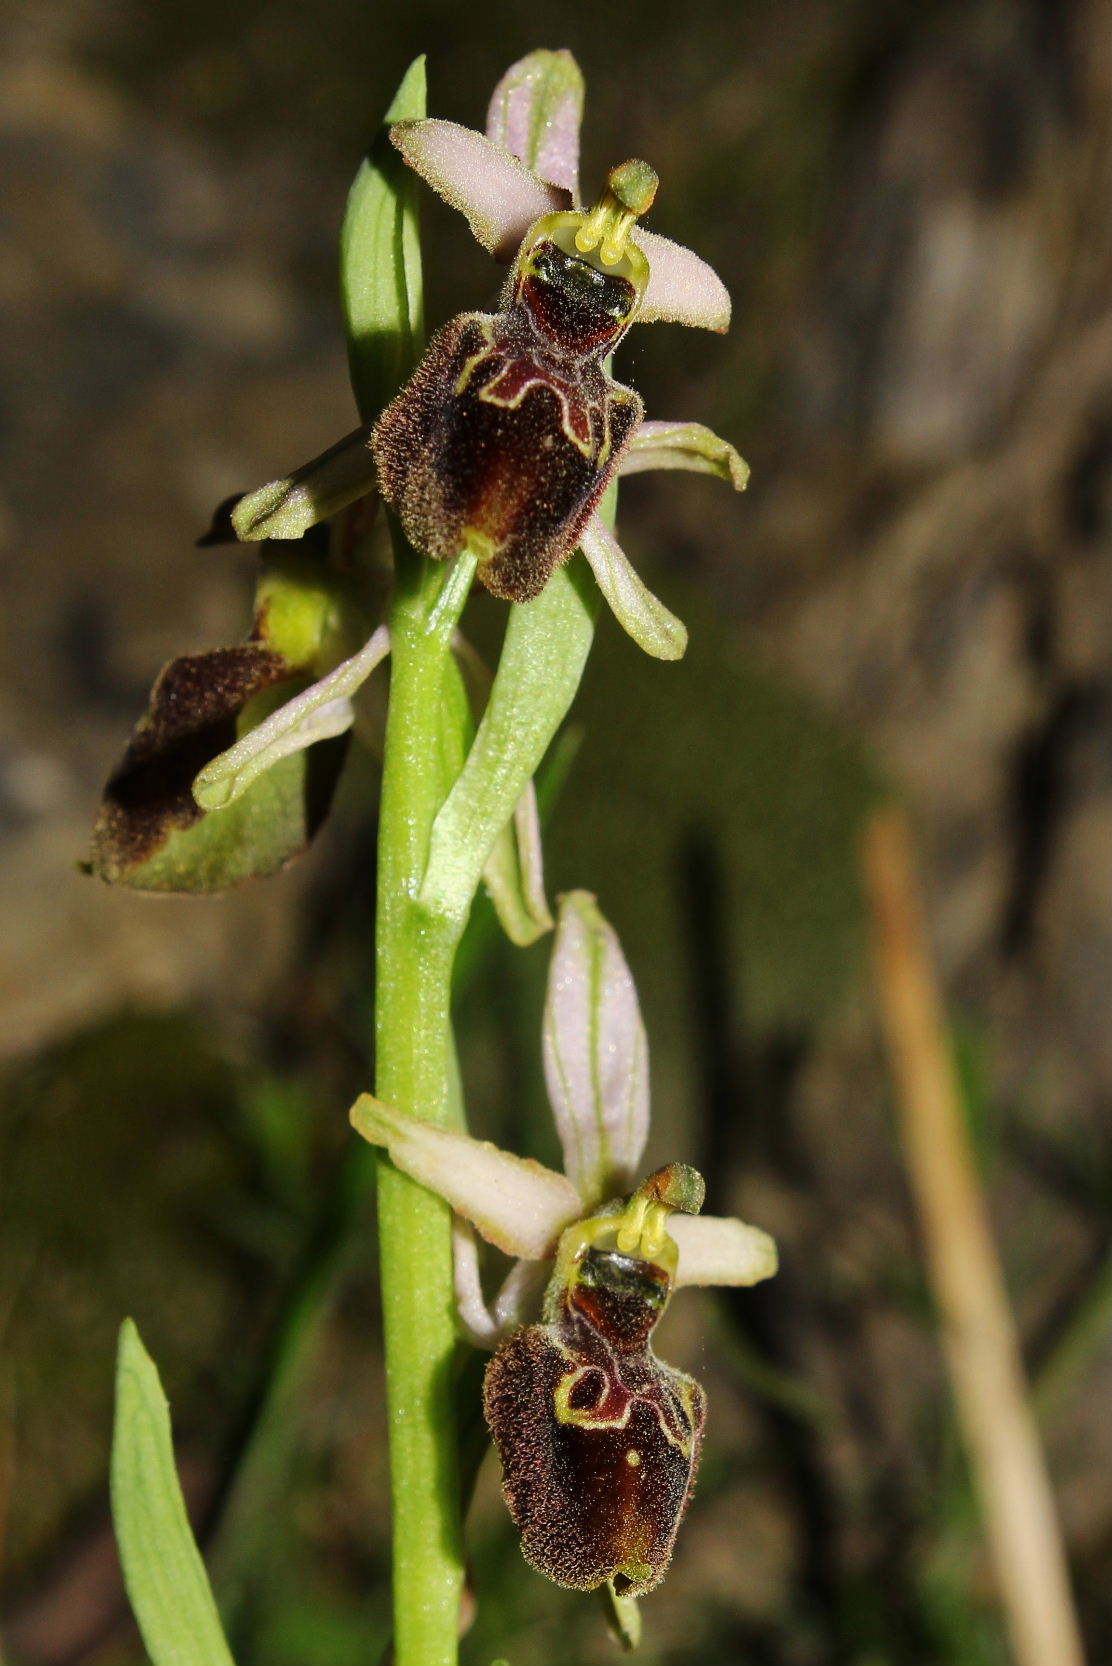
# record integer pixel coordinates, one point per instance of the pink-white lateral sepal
(517, 1300)
(514, 874)
(716, 1250)
(682, 288)
(596, 1058)
(684, 445)
(632, 603)
(319, 713)
(517, 1205)
(496, 193)
(535, 113)
(520, 1294)
(479, 1324)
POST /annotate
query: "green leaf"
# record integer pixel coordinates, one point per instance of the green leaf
(165, 1576)
(380, 261)
(546, 646)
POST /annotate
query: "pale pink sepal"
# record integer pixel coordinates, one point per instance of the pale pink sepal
(715, 1250)
(517, 1300)
(535, 113)
(633, 605)
(517, 1205)
(596, 1058)
(684, 445)
(497, 194)
(319, 713)
(478, 1323)
(682, 288)
(520, 1293)
(514, 874)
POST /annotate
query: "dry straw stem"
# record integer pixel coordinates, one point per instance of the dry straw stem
(978, 1330)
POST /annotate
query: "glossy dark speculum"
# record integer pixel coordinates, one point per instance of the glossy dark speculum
(599, 1440)
(510, 429)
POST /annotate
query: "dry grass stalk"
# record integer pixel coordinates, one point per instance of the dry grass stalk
(978, 1329)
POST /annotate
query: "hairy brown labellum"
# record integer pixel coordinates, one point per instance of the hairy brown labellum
(599, 1439)
(510, 429)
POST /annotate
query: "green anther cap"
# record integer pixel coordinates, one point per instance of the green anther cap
(634, 184)
(643, 1224)
(677, 1186)
(630, 189)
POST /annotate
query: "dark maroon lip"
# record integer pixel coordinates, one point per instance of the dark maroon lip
(599, 1439)
(505, 438)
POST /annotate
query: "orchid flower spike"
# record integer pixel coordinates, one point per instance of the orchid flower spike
(599, 1439)
(507, 435)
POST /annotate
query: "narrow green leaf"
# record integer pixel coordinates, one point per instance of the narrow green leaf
(165, 1576)
(380, 261)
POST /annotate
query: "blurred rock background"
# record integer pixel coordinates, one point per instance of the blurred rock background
(909, 204)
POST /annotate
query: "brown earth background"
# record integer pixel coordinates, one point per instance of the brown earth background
(909, 205)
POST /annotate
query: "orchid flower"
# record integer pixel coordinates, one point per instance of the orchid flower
(597, 1074)
(429, 452)
(599, 1439)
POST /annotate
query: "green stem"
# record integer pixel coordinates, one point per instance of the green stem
(414, 954)
(440, 816)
